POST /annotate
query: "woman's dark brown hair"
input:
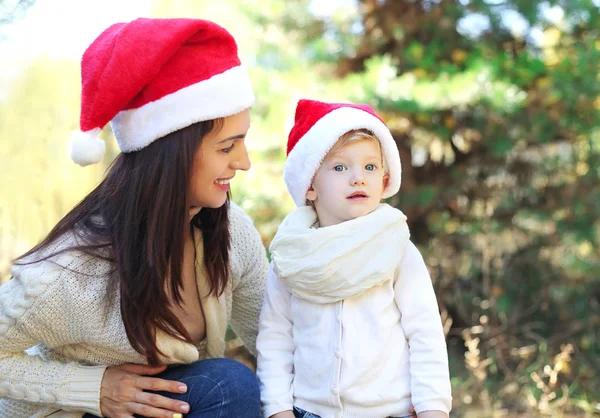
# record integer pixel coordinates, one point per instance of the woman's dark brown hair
(137, 219)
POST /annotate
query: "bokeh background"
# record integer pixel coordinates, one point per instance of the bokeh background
(494, 104)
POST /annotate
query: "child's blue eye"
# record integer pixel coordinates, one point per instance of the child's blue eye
(228, 149)
(338, 167)
(370, 167)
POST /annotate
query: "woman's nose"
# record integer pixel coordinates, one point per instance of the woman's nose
(243, 160)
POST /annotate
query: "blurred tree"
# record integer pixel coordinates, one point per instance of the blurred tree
(495, 108)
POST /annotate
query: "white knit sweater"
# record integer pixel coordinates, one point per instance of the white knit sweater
(57, 338)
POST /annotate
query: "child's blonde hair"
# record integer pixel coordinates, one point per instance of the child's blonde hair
(345, 139)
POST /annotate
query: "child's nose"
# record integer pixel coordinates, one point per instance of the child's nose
(358, 180)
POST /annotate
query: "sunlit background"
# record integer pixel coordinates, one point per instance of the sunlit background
(495, 106)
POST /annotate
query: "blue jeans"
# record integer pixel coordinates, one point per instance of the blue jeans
(217, 388)
(301, 413)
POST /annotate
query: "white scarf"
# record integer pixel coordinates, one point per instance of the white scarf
(337, 262)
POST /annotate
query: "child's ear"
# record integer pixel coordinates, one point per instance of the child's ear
(311, 194)
(386, 180)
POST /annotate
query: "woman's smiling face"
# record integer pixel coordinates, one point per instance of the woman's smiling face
(221, 153)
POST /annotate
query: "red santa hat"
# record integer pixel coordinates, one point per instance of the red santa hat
(151, 77)
(317, 128)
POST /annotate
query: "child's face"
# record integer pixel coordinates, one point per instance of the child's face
(349, 183)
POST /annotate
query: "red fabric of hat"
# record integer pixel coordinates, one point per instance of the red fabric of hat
(151, 77)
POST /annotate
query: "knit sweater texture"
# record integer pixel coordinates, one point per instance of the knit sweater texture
(57, 336)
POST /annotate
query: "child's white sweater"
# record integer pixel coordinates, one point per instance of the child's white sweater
(366, 356)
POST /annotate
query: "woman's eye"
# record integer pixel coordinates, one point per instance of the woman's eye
(338, 167)
(228, 149)
(370, 167)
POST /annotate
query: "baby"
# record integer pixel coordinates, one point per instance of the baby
(350, 325)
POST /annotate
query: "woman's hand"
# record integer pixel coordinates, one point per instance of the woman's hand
(122, 393)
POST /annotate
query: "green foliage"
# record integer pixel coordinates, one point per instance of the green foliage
(40, 183)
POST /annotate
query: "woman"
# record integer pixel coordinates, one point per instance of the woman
(150, 268)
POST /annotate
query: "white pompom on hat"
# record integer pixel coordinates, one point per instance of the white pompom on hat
(151, 77)
(317, 127)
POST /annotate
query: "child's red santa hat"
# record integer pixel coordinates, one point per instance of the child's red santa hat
(317, 128)
(151, 77)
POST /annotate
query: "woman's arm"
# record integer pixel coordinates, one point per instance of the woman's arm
(276, 349)
(39, 306)
(34, 310)
(249, 292)
(414, 294)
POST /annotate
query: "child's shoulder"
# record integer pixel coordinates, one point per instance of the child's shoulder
(411, 253)
(412, 265)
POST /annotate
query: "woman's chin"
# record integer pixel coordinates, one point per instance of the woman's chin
(217, 203)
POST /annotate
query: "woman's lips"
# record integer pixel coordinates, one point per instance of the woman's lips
(223, 184)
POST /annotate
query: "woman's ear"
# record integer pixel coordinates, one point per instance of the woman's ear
(311, 194)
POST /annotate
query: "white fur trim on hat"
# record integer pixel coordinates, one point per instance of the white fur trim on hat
(86, 148)
(222, 95)
(307, 155)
